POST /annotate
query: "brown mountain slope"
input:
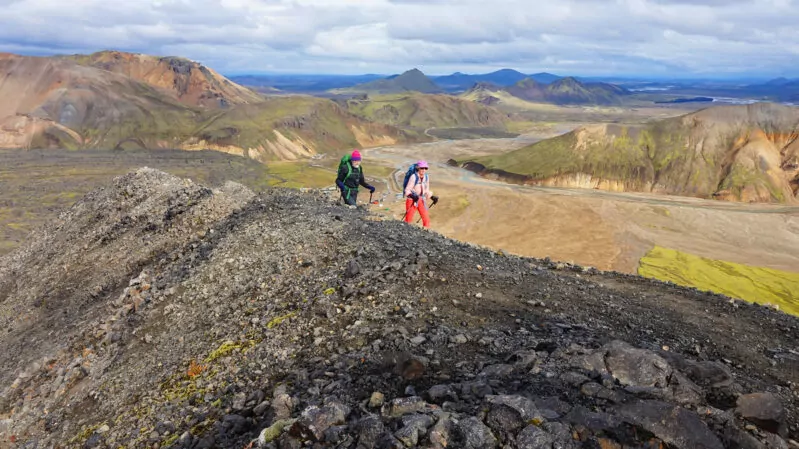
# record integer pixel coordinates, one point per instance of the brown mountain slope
(192, 83)
(57, 103)
(740, 153)
(51, 102)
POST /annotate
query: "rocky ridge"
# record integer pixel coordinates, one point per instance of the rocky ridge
(160, 313)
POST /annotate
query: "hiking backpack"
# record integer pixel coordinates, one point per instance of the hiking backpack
(411, 171)
(346, 160)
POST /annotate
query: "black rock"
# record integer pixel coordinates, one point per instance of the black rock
(471, 433)
(764, 410)
(369, 430)
(735, 438)
(438, 394)
(353, 269)
(533, 437)
(674, 425)
(403, 406)
(315, 420)
(504, 421)
(596, 421)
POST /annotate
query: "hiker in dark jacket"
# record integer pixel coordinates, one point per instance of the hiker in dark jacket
(350, 176)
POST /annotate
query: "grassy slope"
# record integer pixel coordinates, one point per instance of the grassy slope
(754, 284)
(422, 111)
(557, 156)
(319, 122)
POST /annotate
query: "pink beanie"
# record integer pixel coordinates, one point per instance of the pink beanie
(356, 155)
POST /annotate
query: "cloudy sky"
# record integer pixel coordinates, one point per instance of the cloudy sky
(705, 38)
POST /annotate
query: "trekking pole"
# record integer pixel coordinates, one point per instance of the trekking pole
(435, 201)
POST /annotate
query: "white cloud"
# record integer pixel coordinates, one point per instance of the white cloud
(582, 37)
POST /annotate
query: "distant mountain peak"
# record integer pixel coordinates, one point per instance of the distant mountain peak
(484, 85)
(507, 71)
(412, 80)
(569, 80)
(528, 82)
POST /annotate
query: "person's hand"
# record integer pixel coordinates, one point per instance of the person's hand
(434, 198)
(340, 184)
(414, 197)
(371, 189)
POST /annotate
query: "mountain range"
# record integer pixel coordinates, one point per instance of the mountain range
(565, 91)
(302, 83)
(122, 100)
(319, 84)
(504, 77)
(741, 153)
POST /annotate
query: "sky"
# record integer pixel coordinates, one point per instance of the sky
(659, 38)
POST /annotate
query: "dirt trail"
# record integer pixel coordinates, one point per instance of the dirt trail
(602, 229)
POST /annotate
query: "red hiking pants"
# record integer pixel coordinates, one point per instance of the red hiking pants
(410, 211)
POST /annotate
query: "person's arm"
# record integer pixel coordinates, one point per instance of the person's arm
(364, 183)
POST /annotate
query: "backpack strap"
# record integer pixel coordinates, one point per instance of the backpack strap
(349, 173)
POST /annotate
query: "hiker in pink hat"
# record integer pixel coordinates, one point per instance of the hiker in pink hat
(350, 176)
(418, 193)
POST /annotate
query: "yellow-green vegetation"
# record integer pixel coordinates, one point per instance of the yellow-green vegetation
(85, 433)
(455, 206)
(377, 171)
(180, 390)
(228, 347)
(299, 174)
(277, 320)
(741, 177)
(276, 429)
(754, 284)
(544, 159)
(169, 441)
(248, 126)
(423, 111)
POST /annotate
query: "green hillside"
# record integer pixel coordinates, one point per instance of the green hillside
(419, 111)
(745, 153)
(411, 81)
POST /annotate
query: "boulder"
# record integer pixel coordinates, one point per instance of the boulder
(765, 411)
(474, 434)
(315, 420)
(674, 425)
(636, 367)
